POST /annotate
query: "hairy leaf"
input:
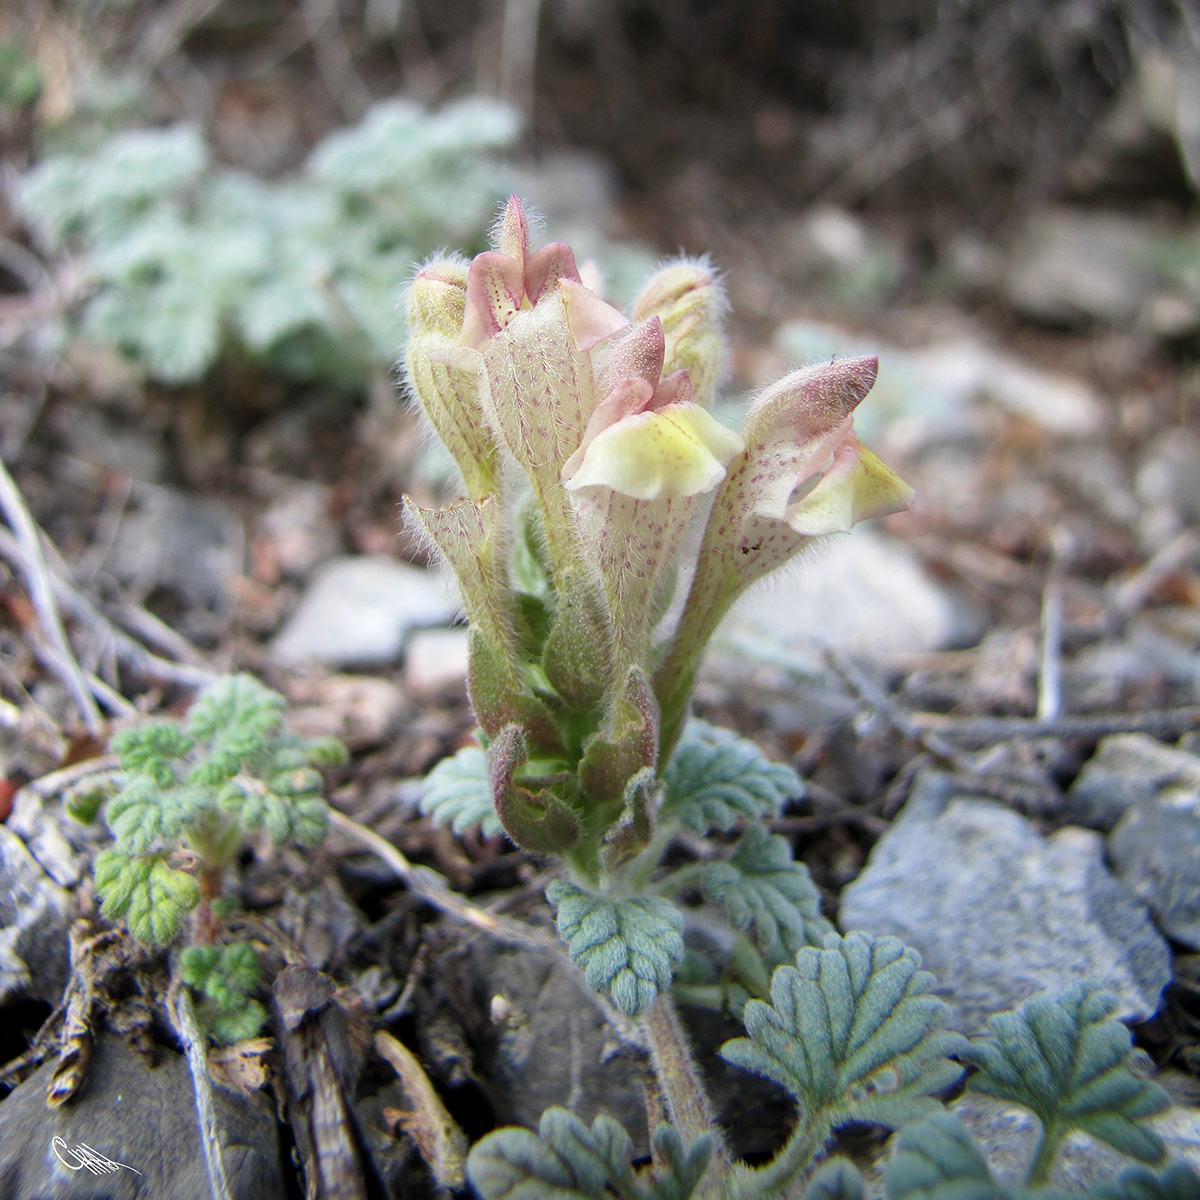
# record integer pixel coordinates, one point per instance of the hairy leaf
(760, 884)
(936, 1160)
(628, 949)
(151, 749)
(565, 1160)
(226, 977)
(456, 793)
(143, 816)
(716, 778)
(234, 716)
(837, 1179)
(1177, 1182)
(853, 1033)
(1066, 1059)
(149, 894)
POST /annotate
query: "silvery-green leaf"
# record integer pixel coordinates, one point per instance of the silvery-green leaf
(567, 1160)
(1177, 1182)
(716, 778)
(456, 793)
(936, 1160)
(837, 1179)
(1067, 1060)
(760, 884)
(628, 949)
(853, 1033)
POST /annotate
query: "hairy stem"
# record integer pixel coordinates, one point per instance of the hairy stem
(679, 1077)
(1043, 1159)
(805, 1143)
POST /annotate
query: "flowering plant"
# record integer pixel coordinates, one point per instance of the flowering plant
(567, 563)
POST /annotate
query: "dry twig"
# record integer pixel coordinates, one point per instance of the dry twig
(41, 593)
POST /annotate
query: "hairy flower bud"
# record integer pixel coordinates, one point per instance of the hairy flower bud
(689, 302)
(437, 298)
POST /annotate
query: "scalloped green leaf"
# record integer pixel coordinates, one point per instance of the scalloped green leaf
(936, 1160)
(235, 716)
(151, 749)
(715, 779)
(761, 885)
(149, 894)
(456, 793)
(627, 949)
(567, 1160)
(1177, 1182)
(1067, 1060)
(853, 1033)
(837, 1179)
(143, 816)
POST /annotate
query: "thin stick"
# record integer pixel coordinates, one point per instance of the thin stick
(980, 731)
(1135, 591)
(883, 704)
(1049, 702)
(428, 884)
(41, 593)
(190, 673)
(179, 1005)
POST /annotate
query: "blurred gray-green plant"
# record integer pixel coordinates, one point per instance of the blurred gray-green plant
(186, 260)
(188, 797)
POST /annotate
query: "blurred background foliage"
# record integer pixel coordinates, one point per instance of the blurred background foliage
(254, 181)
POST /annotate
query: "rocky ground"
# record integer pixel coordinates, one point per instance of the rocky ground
(993, 699)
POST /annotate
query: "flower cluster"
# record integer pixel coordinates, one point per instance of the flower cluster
(567, 573)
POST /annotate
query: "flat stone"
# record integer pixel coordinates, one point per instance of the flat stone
(546, 1043)
(142, 1118)
(1071, 265)
(1126, 769)
(35, 916)
(180, 541)
(999, 913)
(862, 593)
(437, 659)
(358, 611)
(1155, 849)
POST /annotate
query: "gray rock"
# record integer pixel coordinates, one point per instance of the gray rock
(1071, 265)
(141, 1118)
(1155, 849)
(1008, 1135)
(1126, 769)
(358, 611)
(864, 593)
(1000, 913)
(547, 1043)
(35, 916)
(1168, 485)
(179, 541)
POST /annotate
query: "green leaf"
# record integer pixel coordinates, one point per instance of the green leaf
(149, 894)
(143, 816)
(325, 752)
(226, 1028)
(837, 1179)
(309, 820)
(1067, 1060)
(936, 1160)
(628, 949)
(853, 1033)
(456, 793)
(760, 884)
(1177, 1182)
(197, 965)
(565, 1160)
(235, 716)
(151, 749)
(715, 779)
